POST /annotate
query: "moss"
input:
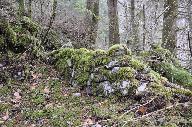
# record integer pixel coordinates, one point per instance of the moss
(137, 64)
(1, 40)
(100, 58)
(168, 92)
(8, 32)
(125, 73)
(24, 39)
(135, 83)
(160, 89)
(175, 74)
(165, 63)
(157, 77)
(37, 97)
(84, 62)
(4, 107)
(28, 24)
(119, 49)
(82, 78)
(5, 90)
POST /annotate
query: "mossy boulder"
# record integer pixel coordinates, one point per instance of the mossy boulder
(14, 37)
(118, 50)
(25, 34)
(115, 71)
(29, 25)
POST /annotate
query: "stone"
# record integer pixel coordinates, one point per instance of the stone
(77, 94)
(107, 87)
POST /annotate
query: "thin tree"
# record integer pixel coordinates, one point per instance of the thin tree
(30, 8)
(91, 21)
(169, 35)
(52, 18)
(190, 30)
(21, 10)
(113, 22)
(144, 27)
(134, 28)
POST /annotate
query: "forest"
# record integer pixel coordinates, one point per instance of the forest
(95, 63)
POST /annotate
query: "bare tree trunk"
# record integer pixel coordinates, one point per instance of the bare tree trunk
(144, 27)
(190, 25)
(21, 10)
(91, 21)
(52, 18)
(30, 8)
(134, 28)
(190, 30)
(113, 22)
(169, 36)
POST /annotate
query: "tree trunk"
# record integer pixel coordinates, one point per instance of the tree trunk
(190, 31)
(169, 36)
(91, 21)
(113, 22)
(30, 8)
(134, 29)
(21, 10)
(52, 18)
(144, 27)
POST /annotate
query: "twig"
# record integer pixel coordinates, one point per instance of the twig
(149, 114)
(190, 44)
(135, 108)
(163, 12)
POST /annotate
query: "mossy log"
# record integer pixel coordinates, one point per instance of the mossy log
(162, 61)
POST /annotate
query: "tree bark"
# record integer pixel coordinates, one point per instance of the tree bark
(52, 18)
(21, 10)
(190, 31)
(169, 35)
(113, 22)
(144, 27)
(134, 29)
(30, 8)
(92, 18)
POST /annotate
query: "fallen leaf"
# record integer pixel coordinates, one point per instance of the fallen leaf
(142, 110)
(35, 76)
(32, 125)
(77, 94)
(46, 90)
(33, 86)
(88, 122)
(50, 105)
(65, 95)
(6, 116)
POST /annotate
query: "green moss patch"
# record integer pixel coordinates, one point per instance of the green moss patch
(162, 61)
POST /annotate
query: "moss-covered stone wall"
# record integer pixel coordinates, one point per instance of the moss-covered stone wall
(112, 72)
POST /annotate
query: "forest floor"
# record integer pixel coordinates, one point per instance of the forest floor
(33, 94)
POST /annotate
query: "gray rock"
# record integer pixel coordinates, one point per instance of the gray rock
(107, 87)
(1, 65)
(77, 94)
(115, 69)
(125, 85)
(69, 62)
(89, 90)
(111, 64)
(19, 73)
(96, 125)
(142, 87)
